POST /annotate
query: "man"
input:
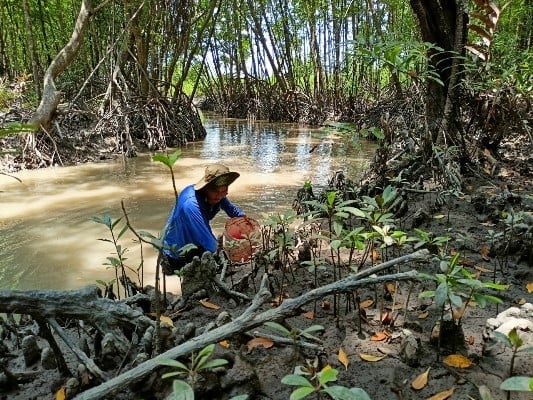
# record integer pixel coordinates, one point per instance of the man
(188, 222)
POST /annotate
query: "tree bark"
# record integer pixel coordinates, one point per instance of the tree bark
(84, 304)
(51, 96)
(444, 24)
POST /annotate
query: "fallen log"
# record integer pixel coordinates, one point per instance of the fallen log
(250, 319)
(84, 304)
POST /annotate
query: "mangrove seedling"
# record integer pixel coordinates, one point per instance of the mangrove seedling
(192, 372)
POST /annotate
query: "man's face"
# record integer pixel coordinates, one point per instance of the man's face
(216, 194)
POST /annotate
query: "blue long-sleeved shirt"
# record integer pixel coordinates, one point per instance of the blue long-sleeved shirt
(188, 221)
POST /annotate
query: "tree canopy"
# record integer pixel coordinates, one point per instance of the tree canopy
(138, 64)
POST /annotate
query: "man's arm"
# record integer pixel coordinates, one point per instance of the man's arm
(231, 209)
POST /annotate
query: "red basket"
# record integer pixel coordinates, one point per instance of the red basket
(240, 240)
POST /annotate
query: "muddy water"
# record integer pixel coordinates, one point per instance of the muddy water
(47, 240)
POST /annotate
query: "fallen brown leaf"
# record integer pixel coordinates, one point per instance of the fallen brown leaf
(442, 395)
(386, 319)
(60, 394)
(423, 315)
(343, 358)
(421, 380)
(366, 303)
(529, 287)
(309, 315)
(259, 341)
(209, 305)
(484, 250)
(457, 361)
(378, 337)
(224, 343)
(482, 269)
(370, 357)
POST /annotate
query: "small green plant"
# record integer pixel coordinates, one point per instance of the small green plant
(426, 240)
(199, 363)
(319, 382)
(118, 261)
(515, 343)
(456, 283)
(295, 334)
(456, 287)
(169, 161)
(518, 384)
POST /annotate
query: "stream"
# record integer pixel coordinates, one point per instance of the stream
(47, 238)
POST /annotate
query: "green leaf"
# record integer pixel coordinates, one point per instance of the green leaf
(336, 244)
(515, 339)
(518, 383)
(312, 328)
(278, 327)
(441, 294)
(496, 286)
(343, 393)
(240, 397)
(456, 300)
(500, 337)
(427, 294)
(172, 374)
(296, 380)
(173, 363)
(327, 375)
(526, 349)
(181, 390)
(122, 231)
(301, 392)
(217, 362)
(207, 350)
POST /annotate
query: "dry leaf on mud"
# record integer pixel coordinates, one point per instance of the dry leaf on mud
(521, 302)
(391, 287)
(378, 337)
(458, 313)
(166, 320)
(370, 357)
(60, 394)
(209, 305)
(442, 395)
(309, 315)
(366, 303)
(421, 380)
(255, 342)
(326, 305)
(470, 340)
(529, 287)
(224, 343)
(439, 216)
(484, 250)
(457, 361)
(386, 319)
(481, 269)
(343, 358)
(374, 256)
(423, 315)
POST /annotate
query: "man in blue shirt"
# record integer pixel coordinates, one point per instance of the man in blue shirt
(188, 222)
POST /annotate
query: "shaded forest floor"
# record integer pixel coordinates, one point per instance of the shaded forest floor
(391, 313)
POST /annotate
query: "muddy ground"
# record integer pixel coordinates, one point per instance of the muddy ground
(258, 371)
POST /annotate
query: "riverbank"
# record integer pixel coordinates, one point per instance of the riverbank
(489, 225)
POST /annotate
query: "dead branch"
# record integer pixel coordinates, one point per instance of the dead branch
(83, 304)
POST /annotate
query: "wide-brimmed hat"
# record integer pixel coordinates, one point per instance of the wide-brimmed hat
(218, 175)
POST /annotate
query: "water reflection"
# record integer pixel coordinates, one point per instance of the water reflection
(48, 241)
